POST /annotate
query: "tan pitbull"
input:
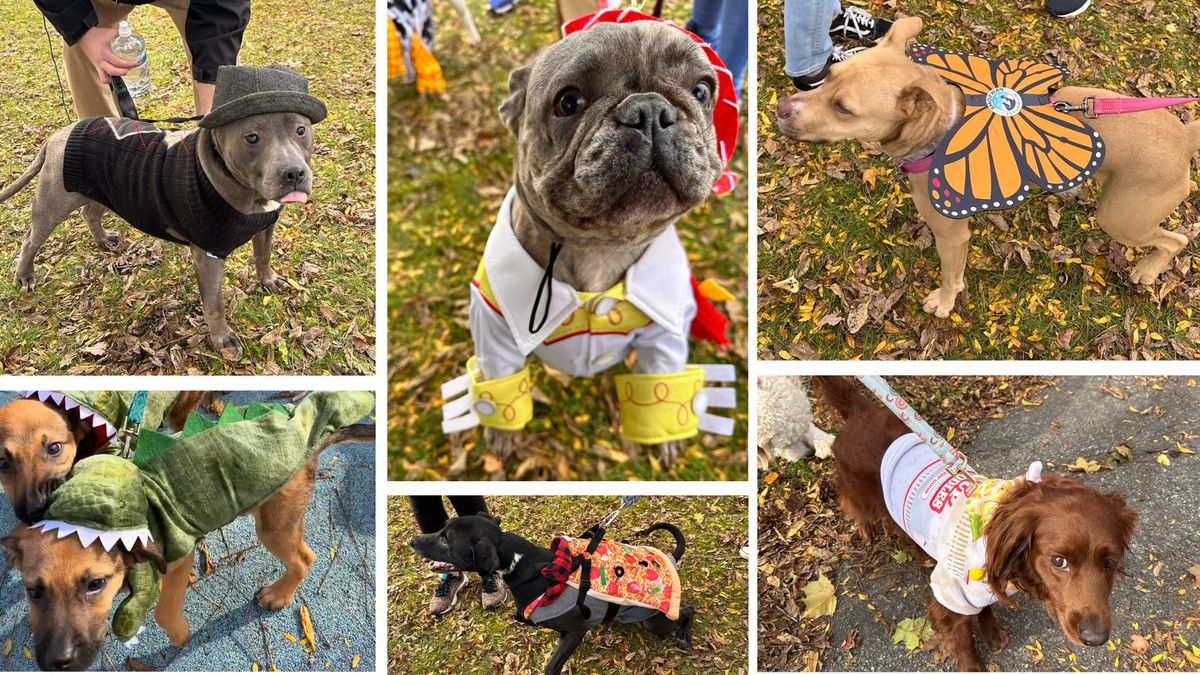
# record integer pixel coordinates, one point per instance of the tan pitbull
(881, 95)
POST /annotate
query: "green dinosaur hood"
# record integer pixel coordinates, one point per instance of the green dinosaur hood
(181, 487)
(102, 413)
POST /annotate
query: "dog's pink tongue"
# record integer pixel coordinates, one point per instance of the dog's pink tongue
(294, 198)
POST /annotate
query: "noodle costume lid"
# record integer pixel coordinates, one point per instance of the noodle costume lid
(1008, 137)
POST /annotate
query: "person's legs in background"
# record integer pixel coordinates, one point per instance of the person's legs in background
(91, 96)
(724, 25)
(807, 45)
(202, 92)
(430, 515)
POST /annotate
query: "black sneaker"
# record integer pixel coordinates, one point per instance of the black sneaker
(1065, 9)
(816, 79)
(858, 24)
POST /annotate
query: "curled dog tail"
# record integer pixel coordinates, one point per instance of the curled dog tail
(33, 170)
(675, 532)
(354, 433)
(843, 394)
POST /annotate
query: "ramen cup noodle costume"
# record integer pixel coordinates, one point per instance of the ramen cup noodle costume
(946, 514)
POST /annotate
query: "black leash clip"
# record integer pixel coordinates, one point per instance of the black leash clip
(120, 92)
(1087, 107)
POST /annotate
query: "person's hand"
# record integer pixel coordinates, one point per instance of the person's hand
(96, 44)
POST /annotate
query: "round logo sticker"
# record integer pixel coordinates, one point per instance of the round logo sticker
(1004, 101)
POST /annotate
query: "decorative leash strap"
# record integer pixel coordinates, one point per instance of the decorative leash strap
(1093, 107)
(133, 422)
(954, 459)
(126, 107)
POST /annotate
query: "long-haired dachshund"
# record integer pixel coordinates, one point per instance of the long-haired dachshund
(1054, 538)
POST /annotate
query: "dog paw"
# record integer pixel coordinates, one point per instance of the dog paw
(273, 283)
(273, 599)
(668, 453)
(500, 442)
(939, 303)
(229, 340)
(109, 240)
(26, 281)
(995, 635)
(1146, 272)
(684, 642)
(179, 636)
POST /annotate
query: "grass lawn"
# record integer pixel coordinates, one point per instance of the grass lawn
(137, 310)
(844, 261)
(470, 640)
(450, 165)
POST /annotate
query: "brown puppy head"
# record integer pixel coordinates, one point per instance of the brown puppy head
(615, 136)
(70, 590)
(1064, 543)
(877, 95)
(38, 447)
(269, 154)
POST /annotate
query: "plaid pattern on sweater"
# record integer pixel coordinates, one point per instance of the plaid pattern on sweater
(129, 167)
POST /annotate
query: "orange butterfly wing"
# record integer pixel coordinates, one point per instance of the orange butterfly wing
(1009, 137)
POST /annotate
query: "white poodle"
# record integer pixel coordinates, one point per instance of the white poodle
(785, 422)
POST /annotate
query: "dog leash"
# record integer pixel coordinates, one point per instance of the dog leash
(133, 422)
(952, 457)
(1093, 107)
(126, 107)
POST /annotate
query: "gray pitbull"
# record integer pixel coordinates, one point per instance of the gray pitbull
(615, 142)
(212, 189)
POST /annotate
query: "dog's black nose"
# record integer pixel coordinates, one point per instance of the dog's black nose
(294, 174)
(1093, 636)
(59, 658)
(648, 113)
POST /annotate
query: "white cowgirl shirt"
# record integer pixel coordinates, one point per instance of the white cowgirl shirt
(650, 311)
(931, 505)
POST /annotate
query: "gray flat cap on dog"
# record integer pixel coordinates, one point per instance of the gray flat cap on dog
(243, 91)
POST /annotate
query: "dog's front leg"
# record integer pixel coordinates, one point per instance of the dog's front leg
(169, 611)
(568, 642)
(262, 261)
(210, 273)
(957, 634)
(951, 237)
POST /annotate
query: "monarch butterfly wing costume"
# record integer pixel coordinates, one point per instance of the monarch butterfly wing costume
(1010, 136)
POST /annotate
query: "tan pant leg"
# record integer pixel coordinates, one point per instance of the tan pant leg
(202, 94)
(92, 97)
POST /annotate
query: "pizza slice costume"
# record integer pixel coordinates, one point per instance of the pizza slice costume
(652, 311)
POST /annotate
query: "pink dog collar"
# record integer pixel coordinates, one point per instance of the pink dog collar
(725, 115)
(916, 165)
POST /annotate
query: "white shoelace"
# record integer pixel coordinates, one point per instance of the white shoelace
(857, 22)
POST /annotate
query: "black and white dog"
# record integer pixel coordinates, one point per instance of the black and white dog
(477, 544)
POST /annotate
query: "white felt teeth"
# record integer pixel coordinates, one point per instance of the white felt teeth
(87, 416)
(131, 642)
(127, 538)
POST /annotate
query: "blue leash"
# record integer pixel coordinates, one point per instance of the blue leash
(133, 422)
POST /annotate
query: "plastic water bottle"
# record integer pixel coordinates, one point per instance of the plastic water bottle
(132, 47)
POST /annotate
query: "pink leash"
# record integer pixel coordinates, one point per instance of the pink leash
(1093, 107)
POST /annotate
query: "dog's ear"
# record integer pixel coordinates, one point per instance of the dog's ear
(148, 552)
(901, 32)
(1010, 537)
(1127, 518)
(12, 549)
(494, 519)
(487, 560)
(915, 100)
(514, 105)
